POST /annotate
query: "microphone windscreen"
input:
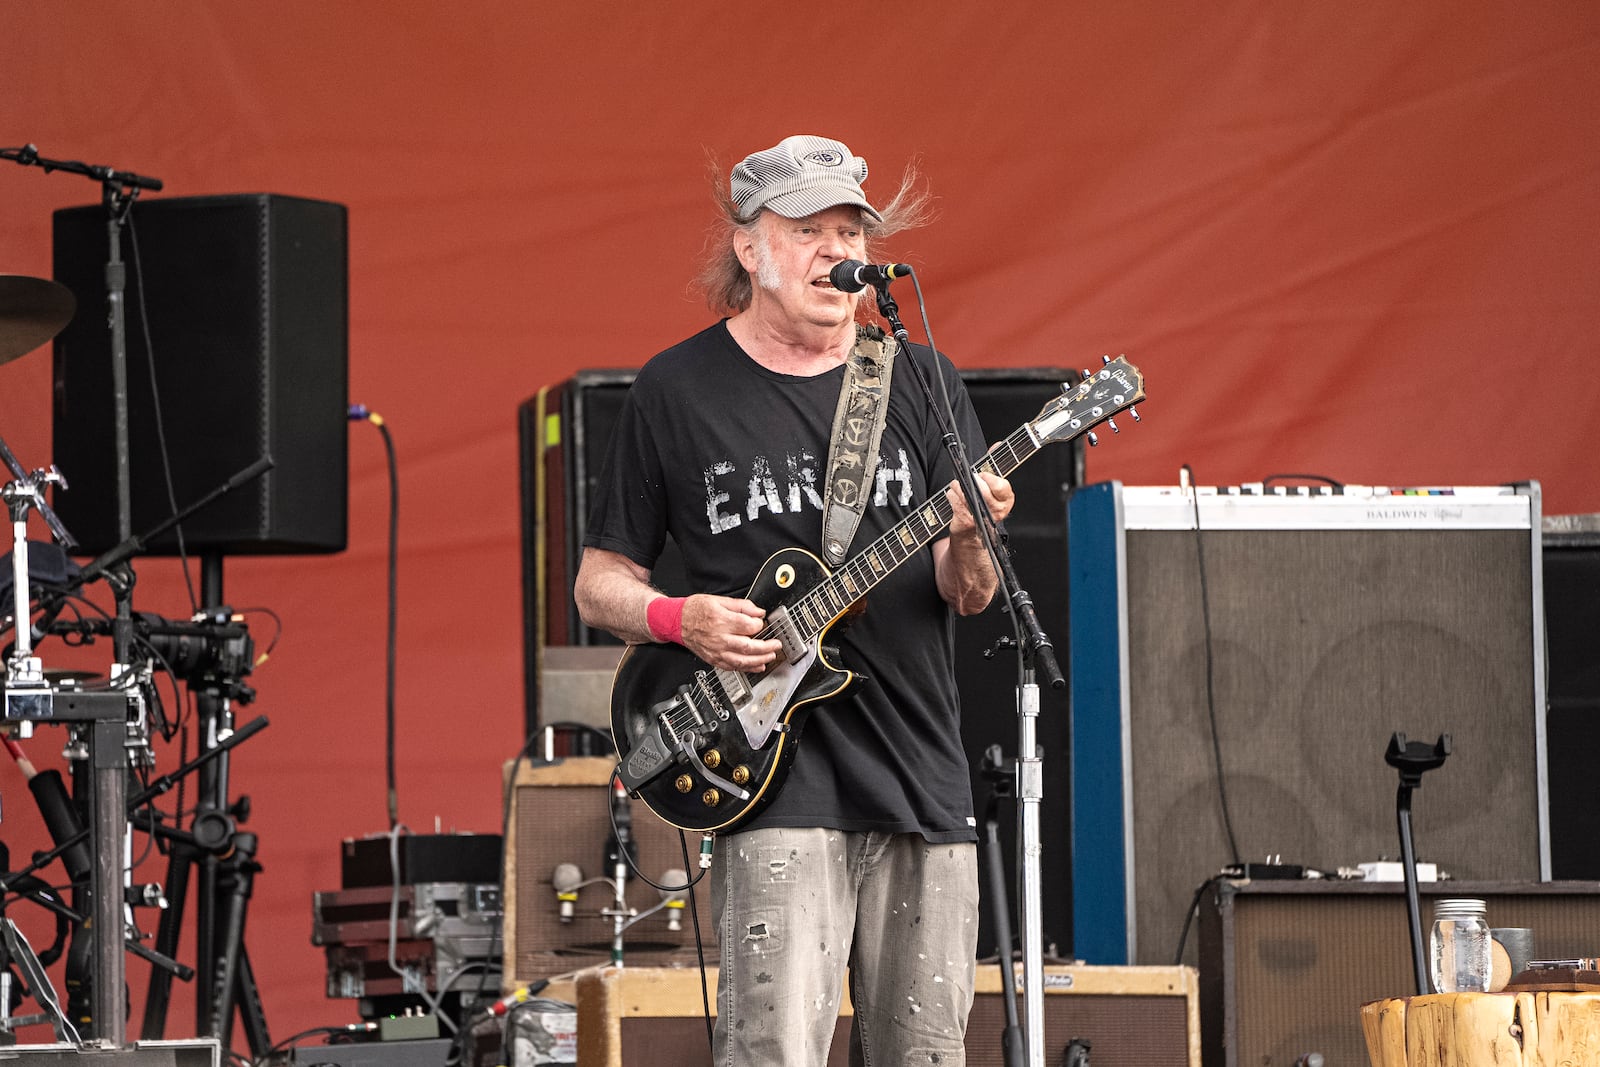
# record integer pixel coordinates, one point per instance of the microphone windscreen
(843, 276)
(676, 882)
(567, 877)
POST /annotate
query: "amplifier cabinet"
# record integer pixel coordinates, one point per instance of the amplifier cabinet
(1268, 652)
(653, 1016)
(1286, 966)
(1131, 1016)
(560, 814)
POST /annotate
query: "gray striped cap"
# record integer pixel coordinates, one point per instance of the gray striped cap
(800, 176)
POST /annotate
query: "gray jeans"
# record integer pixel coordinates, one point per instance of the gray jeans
(793, 907)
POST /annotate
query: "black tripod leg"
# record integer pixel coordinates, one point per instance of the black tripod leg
(1011, 1043)
(995, 769)
(180, 861)
(251, 1014)
(240, 872)
(208, 873)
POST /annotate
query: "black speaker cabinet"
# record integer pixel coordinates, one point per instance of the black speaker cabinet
(1319, 625)
(244, 301)
(1131, 1016)
(559, 814)
(1286, 966)
(1572, 614)
(565, 430)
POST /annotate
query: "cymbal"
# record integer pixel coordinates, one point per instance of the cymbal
(32, 311)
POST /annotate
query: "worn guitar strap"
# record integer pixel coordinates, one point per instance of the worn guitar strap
(857, 429)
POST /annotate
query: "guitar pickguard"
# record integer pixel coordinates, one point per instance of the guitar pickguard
(771, 697)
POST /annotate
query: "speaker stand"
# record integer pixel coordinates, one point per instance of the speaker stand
(225, 982)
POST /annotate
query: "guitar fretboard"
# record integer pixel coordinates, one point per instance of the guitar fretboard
(814, 611)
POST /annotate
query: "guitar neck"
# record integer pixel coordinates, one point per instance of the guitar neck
(857, 577)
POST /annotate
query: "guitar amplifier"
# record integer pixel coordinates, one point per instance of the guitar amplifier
(1130, 1016)
(1259, 649)
(1285, 966)
(560, 814)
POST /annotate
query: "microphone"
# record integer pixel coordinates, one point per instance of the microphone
(622, 851)
(674, 896)
(566, 880)
(852, 275)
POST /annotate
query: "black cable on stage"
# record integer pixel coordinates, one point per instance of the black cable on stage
(155, 410)
(359, 413)
(1188, 920)
(1211, 684)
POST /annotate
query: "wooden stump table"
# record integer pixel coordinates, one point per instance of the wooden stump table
(1522, 1029)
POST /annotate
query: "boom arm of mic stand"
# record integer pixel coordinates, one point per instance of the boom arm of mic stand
(156, 788)
(1035, 642)
(28, 155)
(118, 553)
(167, 781)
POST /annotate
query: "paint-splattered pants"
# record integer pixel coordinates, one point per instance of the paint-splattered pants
(793, 907)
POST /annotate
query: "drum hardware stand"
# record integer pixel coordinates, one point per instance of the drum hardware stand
(1034, 651)
(30, 699)
(113, 567)
(20, 952)
(109, 789)
(107, 763)
(1413, 759)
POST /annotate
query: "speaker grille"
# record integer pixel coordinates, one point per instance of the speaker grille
(559, 814)
(247, 303)
(1323, 642)
(1132, 1016)
(1286, 968)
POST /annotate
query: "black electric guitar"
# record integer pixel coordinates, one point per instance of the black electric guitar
(705, 748)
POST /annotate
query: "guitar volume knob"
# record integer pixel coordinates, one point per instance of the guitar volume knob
(712, 758)
(711, 798)
(684, 783)
(740, 775)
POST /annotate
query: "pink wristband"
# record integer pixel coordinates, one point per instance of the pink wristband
(664, 616)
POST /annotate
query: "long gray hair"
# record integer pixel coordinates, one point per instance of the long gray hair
(725, 281)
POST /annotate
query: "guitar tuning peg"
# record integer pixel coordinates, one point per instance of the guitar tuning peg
(1113, 424)
(1135, 413)
(1083, 373)
(1104, 360)
(1093, 439)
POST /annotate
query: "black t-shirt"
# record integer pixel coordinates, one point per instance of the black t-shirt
(728, 457)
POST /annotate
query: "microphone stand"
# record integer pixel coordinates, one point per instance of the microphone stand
(1412, 759)
(109, 770)
(1035, 653)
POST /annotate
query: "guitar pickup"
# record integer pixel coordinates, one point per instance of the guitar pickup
(795, 647)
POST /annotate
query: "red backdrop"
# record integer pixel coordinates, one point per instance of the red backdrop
(1355, 241)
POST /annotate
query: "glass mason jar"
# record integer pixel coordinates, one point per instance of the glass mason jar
(1462, 959)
